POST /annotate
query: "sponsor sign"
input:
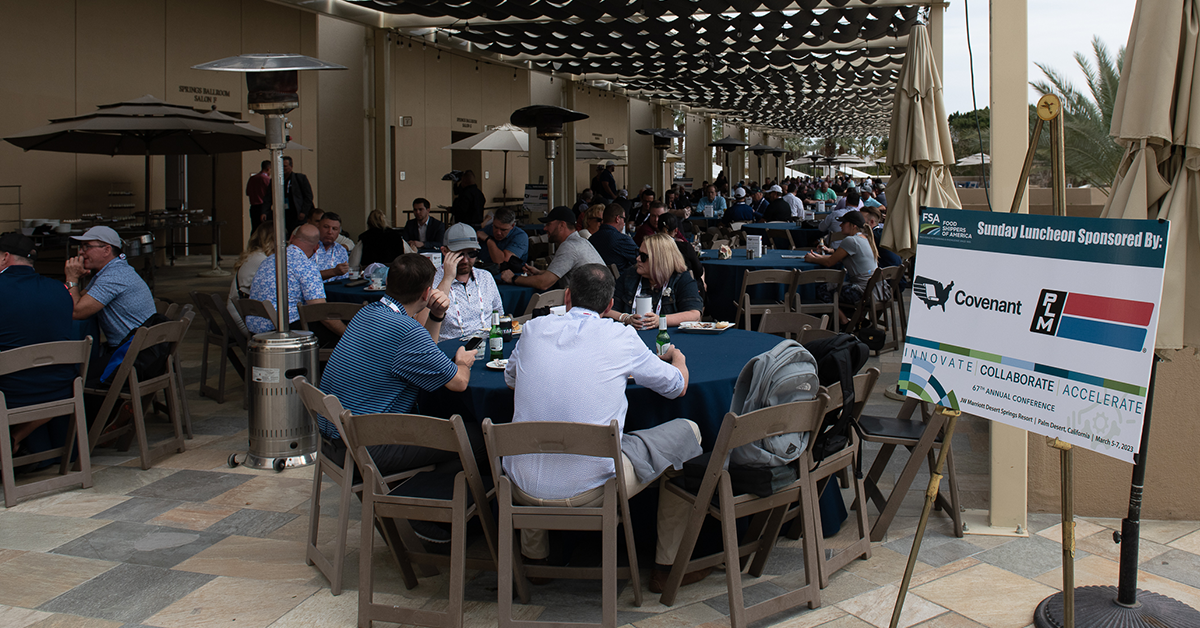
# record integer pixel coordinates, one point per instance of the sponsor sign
(537, 199)
(1044, 323)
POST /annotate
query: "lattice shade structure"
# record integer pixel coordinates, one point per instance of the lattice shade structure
(810, 67)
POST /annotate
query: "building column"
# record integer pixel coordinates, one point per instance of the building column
(381, 192)
(564, 166)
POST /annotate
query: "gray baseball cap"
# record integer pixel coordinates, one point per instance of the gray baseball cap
(461, 237)
(101, 234)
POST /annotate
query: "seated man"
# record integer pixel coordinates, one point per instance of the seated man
(611, 242)
(331, 259)
(386, 357)
(472, 291)
(573, 251)
(36, 309)
(711, 203)
(778, 209)
(502, 240)
(304, 286)
(423, 232)
(116, 295)
(741, 211)
(558, 352)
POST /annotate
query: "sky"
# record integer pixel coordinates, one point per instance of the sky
(1057, 29)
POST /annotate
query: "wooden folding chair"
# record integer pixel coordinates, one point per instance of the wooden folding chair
(432, 496)
(127, 386)
(342, 473)
(179, 312)
(219, 332)
(870, 307)
(847, 463)
(748, 307)
(316, 312)
(549, 298)
(715, 499)
(791, 325)
(923, 439)
(36, 356)
(780, 239)
(831, 277)
(809, 335)
(253, 307)
(600, 441)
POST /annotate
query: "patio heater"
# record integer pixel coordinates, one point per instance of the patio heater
(759, 150)
(728, 144)
(662, 143)
(281, 432)
(549, 121)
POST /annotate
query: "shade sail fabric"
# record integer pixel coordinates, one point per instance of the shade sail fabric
(1157, 117)
(919, 148)
(505, 137)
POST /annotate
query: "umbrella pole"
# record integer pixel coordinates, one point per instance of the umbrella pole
(504, 192)
(216, 270)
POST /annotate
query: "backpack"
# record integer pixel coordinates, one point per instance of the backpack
(839, 359)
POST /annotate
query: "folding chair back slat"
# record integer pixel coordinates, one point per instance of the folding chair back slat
(747, 308)
(791, 325)
(549, 298)
(834, 279)
(253, 307)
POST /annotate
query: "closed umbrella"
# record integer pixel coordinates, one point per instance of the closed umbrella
(506, 138)
(919, 149)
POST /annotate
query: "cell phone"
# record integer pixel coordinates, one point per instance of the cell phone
(473, 343)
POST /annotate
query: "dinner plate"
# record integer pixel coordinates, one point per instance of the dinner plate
(497, 365)
(704, 328)
(370, 289)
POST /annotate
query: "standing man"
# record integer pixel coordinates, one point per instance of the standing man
(116, 294)
(604, 184)
(472, 291)
(573, 251)
(611, 241)
(468, 205)
(558, 352)
(33, 309)
(297, 197)
(303, 283)
(258, 188)
(331, 259)
(422, 232)
(502, 240)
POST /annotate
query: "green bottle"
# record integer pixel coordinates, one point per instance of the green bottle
(663, 341)
(495, 339)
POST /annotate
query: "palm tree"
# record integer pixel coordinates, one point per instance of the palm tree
(1092, 156)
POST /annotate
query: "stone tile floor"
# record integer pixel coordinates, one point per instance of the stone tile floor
(191, 542)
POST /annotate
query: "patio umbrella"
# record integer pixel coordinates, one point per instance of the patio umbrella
(919, 149)
(974, 160)
(505, 137)
(145, 126)
(587, 152)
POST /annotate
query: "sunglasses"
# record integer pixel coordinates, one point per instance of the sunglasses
(473, 254)
(645, 257)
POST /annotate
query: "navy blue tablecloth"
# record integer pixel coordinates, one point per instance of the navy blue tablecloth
(714, 363)
(801, 235)
(514, 298)
(723, 278)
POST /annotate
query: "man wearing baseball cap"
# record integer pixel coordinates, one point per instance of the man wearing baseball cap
(35, 309)
(472, 291)
(777, 210)
(116, 294)
(572, 251)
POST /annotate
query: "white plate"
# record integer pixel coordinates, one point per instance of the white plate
(497, 365)
(370, 289)
(704, 328)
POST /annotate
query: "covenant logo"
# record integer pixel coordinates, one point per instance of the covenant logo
(933, 294)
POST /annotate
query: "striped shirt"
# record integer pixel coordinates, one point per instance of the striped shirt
(471, 304)
(382, 361)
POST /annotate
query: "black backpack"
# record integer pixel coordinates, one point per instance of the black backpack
(839, 359)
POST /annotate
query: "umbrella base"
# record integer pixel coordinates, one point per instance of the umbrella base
(1097, 606)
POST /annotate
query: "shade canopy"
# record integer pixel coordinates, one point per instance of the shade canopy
(587, 152)
(974, 160)
(919, 148)
(505, 137)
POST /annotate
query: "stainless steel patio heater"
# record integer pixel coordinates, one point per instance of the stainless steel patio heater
(549, 121)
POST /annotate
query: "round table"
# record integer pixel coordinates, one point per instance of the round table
(723, 278)
(714, 363)
(514, 298)
(801, 235)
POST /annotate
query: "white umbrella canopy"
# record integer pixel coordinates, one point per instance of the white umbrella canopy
(1157, 117)
(919, 148)
(974, 160)
(506, 138)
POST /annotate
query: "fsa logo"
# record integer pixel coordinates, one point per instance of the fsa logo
(930, 224)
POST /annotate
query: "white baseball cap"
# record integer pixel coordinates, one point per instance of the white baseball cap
(776, 189)
(739, 193)
(101, 234)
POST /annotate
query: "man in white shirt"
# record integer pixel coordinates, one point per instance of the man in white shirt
(555, 354)
(796, 204)
(472, 291)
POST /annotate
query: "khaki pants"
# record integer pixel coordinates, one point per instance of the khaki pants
(672, 513)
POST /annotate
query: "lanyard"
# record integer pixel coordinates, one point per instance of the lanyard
(467, 293)
(657, 308)
(387, 301)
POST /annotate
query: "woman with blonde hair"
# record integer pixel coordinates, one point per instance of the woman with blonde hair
(260, 247)
(661, 274)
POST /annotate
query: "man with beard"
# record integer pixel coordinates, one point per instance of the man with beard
(472, 291)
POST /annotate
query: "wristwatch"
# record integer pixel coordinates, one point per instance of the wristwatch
(70, 284)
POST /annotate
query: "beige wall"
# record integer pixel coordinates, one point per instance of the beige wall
(698, 157)
(643, 159)
(343, 128)
(606, 127)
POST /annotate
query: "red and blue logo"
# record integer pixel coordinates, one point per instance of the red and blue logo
(1117, 323)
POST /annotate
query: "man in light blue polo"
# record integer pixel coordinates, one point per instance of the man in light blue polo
(116, 294)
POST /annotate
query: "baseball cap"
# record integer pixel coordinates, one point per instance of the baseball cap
(461, 237)
(853, 217)
(18, 244)
(611, 163)
(102, 234)
(776, 189)
(562, 212)
(739, 193)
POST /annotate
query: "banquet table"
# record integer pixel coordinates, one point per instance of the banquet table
(514, 298)
(723, 278)
(714, 363)
(801, 235)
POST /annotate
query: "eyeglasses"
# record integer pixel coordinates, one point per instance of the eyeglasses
(83, 247)
(643, 256)
(473, 254)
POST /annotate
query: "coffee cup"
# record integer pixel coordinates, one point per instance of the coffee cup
(642, 305)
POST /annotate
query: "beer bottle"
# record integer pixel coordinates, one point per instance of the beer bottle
(495, 339)
(663, 341)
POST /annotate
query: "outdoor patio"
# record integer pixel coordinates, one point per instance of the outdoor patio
(192, 542)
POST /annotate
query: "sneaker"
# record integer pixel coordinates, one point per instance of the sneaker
(429, 531)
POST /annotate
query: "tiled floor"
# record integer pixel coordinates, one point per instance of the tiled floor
(193, 543)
